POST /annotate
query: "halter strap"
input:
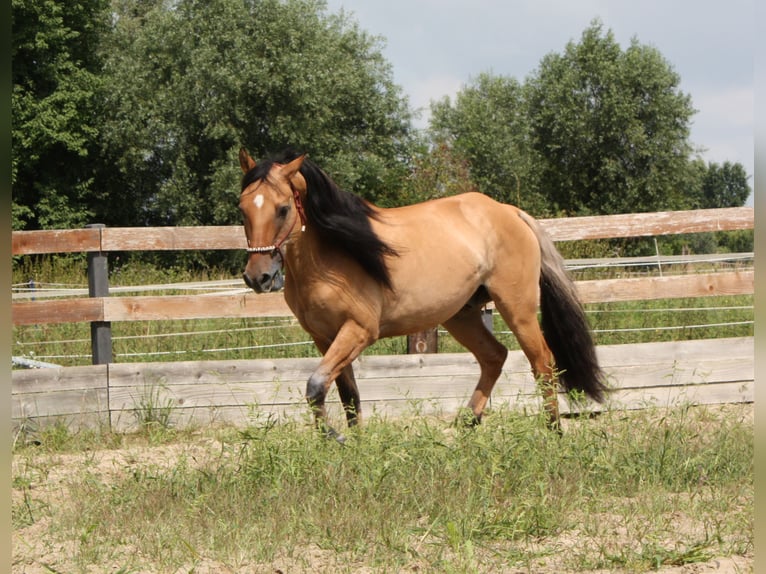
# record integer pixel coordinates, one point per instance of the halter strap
(278, 244)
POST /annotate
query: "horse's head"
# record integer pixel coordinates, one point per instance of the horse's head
(271, 206)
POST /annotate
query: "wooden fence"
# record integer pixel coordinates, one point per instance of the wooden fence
(244, 391)
(719, 370)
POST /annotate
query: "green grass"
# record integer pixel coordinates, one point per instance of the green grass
(631, 491)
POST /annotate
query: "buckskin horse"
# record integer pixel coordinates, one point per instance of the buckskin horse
(354, 273)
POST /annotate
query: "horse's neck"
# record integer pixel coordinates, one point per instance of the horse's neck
(301, 255)
(309, 256)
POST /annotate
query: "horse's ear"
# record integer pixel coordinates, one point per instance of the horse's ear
(290, 169)
(245, 161)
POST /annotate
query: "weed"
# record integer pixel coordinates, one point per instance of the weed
(154, 410)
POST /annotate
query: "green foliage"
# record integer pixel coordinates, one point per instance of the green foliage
(130, 113)
(610, 127)
(56, 108)
(193, 81)
(436, 172)
(596, 129)
(487, 125)
(724, 186)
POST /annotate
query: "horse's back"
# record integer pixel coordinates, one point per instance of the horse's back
(470, 222)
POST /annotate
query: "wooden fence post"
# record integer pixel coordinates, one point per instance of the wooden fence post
(423, 342)
(428, 341)
(98, 286)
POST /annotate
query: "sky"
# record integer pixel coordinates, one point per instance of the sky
(436, 47)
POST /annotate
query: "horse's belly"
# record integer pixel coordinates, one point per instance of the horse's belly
(419, 310)
(433, 283)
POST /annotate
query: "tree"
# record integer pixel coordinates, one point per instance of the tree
(437, 171)
(609, 127)
(487, 126)
(55, 110)
(724, 186)
(192, 81)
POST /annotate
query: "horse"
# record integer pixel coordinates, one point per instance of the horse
(353, 273)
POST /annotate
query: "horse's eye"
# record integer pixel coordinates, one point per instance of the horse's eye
(282, 211)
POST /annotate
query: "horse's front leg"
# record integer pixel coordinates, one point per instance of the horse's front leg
(349, 396)
(351, 340)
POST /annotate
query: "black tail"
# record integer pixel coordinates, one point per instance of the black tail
(564, 323)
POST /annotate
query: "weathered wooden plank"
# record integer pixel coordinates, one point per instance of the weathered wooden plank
(446, 406)
(128, 421)
(29, 381)
(638, 354)
(173, 238)
(677, 395)
(443, 365)
(211, 372)
(153, 308)
(630, 399)
(55, 241)
(60, 402)
(196, 395)
(425, 387)
(57, 311)
(247, 304)
(419, 377)
(657, 352)
(76, 396)
(368, 367)
(702, 372)
(672, 287)
(649, 224)
(233, 237)
(679, 372)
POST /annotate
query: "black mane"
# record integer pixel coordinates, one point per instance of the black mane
(340, 218)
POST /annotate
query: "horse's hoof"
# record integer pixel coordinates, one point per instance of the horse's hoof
(473, 421)
(468, 420)
(555, 426)
(331, 433)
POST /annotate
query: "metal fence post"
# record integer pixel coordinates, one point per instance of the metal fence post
(486, 317)
(98, 286)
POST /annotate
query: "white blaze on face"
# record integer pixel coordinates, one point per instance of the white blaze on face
(258, 201)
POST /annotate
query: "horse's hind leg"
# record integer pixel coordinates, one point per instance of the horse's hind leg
(521, 317)
(468, 328)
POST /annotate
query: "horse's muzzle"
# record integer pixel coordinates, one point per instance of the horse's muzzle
(265, 282)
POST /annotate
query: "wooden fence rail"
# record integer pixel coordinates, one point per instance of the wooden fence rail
(248, 304)
(244, 391)
(233, 236)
